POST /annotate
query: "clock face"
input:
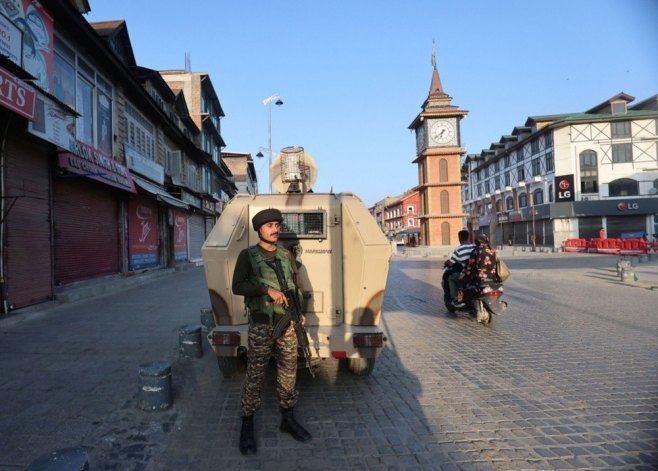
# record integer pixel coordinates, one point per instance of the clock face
(442, 132)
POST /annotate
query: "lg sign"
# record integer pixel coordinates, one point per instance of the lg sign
(628, 206)
(564, 188)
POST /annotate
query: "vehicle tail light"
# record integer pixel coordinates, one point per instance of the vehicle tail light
(226, 338)
(339, 354)
(368, 340)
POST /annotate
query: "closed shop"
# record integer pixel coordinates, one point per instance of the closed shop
(86, 229)
(197, 235)
(589, 227)
(26, 213)
(180, 235)
(616, 225)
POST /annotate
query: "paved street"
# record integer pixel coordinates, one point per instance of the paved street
(566, 379)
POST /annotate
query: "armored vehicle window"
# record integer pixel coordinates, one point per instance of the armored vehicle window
(306, 225)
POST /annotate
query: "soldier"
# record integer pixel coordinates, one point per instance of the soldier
(257, 282)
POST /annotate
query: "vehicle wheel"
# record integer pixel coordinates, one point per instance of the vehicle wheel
(229, 366)
(361, 366)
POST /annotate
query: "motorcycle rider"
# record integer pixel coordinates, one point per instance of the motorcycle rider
(456, 263)
(480, 270)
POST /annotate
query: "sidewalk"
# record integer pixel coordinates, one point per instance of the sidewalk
(70, 372)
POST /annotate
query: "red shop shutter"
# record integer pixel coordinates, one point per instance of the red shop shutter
(86, 229)
(27, 222)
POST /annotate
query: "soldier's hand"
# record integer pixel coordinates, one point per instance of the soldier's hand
(277, 296)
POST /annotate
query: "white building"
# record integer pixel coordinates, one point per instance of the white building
(566, 176)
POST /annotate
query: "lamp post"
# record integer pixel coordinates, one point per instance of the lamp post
(533, 237)
(276, 99)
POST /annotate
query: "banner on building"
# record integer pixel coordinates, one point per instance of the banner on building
(16, 95)
(180, 235)
(51, 123)
(143, 239)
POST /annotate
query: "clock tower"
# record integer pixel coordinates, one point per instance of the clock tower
(438, 155)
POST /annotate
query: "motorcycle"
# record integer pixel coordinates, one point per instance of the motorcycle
(482, 305)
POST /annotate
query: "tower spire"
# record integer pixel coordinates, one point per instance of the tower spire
(435, 87)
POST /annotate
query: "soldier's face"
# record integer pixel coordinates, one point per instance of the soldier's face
(269, 232)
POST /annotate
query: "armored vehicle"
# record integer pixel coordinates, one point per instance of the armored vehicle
(342, 257)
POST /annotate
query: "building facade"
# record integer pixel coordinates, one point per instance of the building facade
(85, 157)
(242, 168)
(567, 176)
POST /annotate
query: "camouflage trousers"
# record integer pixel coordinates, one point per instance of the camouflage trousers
(261, 347)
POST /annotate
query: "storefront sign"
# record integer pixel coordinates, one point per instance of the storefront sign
(90, 162)
(11, 40)
(209, 206)
(144, 166)
(564, 190)
(626, 206)
(52, 123)
(143, 237)
(190, 199)
(16, 95)
(180, 235)
(37, 25)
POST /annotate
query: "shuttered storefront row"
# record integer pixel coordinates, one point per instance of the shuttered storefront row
(86, 215)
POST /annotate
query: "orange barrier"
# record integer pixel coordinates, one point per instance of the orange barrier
(575, 245)
(633, 247)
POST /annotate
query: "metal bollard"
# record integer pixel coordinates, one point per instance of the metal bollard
(65, 459)
(154, 386)
(207, 319)
(628, 275)
(189, 341)
(621, 264)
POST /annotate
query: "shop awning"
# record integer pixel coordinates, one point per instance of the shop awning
(409, 231)
(159, 192)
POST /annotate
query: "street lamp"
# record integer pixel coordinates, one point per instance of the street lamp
(276, 99)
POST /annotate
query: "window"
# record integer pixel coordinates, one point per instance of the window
(523, 200)
(549, 161)
(519, 156)
(589, 173)
(520, 174)
(622, 153)
(619, 107)
(479, 189)
(507, 179)
(140, 133)
(550, 193)
(534, 146)
(506, 160)
(623, 187)
(497, 183)
(509, 203)
(499, 205)
(410, 209)
(478, 175)
(548, 139)
(538, 196)
(443, 170)
(486, 172)
(206, 180)
(445, 202)
(305, 225)
(535, 167)
(496, 166)
(487, 188)
(621, 129)
(77, 84)
(410, 222)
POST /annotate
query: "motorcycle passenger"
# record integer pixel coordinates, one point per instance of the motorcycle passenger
(480, 269)
(457, 261)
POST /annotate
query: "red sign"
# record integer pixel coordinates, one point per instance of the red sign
(16, 95)
(180, 235)
(143, 239)
(90, 162)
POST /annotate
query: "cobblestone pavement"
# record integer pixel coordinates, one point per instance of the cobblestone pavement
(566, 379)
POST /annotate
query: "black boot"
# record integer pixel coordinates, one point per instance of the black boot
(247, 440)
(291, 426)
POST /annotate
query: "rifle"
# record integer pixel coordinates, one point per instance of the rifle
(293, 313)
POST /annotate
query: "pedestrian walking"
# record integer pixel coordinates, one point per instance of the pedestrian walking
(254, 279)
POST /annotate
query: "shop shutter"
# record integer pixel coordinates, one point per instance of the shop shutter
(589, 227)
(27, 222)
(197, 235)
(86, 229)
(617, 225)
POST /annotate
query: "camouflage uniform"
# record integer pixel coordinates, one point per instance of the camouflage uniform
(261, 343)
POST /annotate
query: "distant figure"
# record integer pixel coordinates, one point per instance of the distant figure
(602, 233)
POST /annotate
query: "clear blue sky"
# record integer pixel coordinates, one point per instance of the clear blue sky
(354, 74)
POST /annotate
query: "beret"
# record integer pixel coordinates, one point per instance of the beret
(266, 215)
